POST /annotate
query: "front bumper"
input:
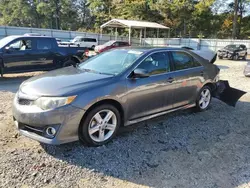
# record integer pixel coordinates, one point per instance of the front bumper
(225, 55)
(32, 122)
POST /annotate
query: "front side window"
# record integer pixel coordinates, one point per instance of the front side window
(44, 44)
(21, 45)
(111, 62)
(183, 60)
(156, 63)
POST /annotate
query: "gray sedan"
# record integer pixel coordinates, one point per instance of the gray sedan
(117, 88)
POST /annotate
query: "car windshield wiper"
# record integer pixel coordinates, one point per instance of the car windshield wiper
(94, 71)
(106, 73)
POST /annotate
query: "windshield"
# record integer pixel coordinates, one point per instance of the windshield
(112, 62)
(109, 43)
(6, 40)
(77, 39)
(231, 47)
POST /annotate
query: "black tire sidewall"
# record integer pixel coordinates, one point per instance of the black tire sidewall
(69, 63)
(198, 108)
(245, 57)
(83, 128)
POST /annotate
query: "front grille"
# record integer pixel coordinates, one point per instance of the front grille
(24, 101)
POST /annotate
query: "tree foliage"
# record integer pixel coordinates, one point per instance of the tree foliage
(186, 18)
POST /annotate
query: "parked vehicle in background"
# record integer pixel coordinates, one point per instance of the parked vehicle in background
(116, 88)
(58, 40)
(65, 43)
(85, 42)
(33, 53)
(233, 51)
(110, 45)
(247, 70)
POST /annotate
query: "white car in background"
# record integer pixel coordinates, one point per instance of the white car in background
(88, 42)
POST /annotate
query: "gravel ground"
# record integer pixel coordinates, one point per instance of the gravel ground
(181, 149)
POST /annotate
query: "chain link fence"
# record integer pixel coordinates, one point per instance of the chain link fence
(200, 44)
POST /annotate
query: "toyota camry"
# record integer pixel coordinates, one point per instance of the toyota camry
(91, 101)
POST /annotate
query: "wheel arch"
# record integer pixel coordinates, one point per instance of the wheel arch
(211, 85)
(76, 59)
(113, 102)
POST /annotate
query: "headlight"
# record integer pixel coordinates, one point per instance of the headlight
(47, 103)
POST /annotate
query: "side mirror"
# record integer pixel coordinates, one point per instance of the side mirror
(8, 49)
(140, 73)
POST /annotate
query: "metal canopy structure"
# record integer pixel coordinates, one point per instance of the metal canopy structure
(119, 23)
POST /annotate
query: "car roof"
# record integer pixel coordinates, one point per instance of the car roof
(152, 49)
(25, 36)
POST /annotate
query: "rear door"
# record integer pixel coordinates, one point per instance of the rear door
(153, 94)
(188, 78)
(44, 54)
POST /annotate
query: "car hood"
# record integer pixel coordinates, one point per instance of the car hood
(226, 50)
(63, 82)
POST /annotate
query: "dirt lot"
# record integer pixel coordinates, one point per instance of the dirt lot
(182, 149)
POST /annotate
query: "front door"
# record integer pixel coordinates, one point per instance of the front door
(188, 78)
(153, 94)
(18, 55)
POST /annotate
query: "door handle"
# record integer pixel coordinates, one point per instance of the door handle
(170, 80)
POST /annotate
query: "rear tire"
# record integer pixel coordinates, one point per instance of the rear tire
(69, 62)
(204, 99)
(98, 128)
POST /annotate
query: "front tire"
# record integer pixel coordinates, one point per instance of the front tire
(245, 57)
(100, 125)
(204, 99)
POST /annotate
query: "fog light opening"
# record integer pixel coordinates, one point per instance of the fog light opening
(51, 131)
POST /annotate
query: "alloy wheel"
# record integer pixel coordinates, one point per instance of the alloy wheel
(204, 98)
(102, 125)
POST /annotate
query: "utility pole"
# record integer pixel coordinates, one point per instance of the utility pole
(235, 21)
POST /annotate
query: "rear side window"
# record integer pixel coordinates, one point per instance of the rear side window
(182, 60)
(44, 44)
(123, 44)
(89, 40)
